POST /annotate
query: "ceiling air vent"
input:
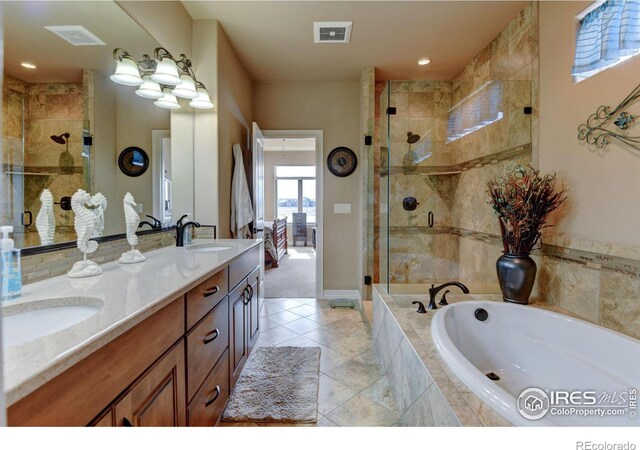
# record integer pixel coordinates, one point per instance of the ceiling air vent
(332, 32)
(76, 35)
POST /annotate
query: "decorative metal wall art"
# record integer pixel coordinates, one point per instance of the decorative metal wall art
(598, 130)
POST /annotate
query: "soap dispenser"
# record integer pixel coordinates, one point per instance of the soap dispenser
(11, 283)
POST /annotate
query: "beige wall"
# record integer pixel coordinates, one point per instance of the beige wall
(273, 159)
(122, 120)
(333, 107)
(603, 185)
(136, 118)
(234, 106)
(104, 148)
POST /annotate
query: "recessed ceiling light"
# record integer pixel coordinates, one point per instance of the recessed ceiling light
(424, 61)
(28, 65)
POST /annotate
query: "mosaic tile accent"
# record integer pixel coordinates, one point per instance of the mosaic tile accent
(52, 264)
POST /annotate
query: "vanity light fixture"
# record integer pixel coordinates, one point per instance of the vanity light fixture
(423, 61)
(162, 78)
(28, 65)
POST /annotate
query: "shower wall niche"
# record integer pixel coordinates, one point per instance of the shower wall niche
(33, 114)
(440, 142)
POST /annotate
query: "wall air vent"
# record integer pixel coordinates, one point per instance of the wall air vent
(332, 32)
(76, 35)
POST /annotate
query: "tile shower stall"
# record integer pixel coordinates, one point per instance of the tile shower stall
(32, 160)
(438, 142)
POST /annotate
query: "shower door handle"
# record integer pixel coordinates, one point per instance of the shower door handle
(30, 215)
(430, 219)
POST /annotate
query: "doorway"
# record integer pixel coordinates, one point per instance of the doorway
(293, 213)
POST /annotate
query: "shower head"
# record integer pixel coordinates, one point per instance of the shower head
(412, 138)
(62, 139)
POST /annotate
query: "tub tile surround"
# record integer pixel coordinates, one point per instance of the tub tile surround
(429, 394)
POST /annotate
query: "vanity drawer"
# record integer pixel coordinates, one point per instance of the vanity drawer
(208, 403)
(241, 267)
(205, 343)
(204, 297)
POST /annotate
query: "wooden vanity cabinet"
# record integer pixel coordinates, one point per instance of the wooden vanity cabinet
(157, 399)
(175, 368)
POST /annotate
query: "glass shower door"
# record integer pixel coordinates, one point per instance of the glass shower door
(445, 140)
(13, 171)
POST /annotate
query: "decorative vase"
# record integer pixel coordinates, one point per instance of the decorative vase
(516, 275)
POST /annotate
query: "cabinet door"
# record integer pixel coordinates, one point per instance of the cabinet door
(106, 420)
(158, 398)
(253, 312)
(239, 346)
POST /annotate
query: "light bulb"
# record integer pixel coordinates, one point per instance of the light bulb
(202, 101)
(149, 89)
(168, 100)
(127, 72)
(186, 89)
(167, 72)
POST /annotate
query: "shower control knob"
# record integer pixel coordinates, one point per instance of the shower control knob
(410, 203)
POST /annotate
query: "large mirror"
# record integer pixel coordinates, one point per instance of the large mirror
(67, 126)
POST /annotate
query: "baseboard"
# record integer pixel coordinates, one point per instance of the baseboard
(346, 294)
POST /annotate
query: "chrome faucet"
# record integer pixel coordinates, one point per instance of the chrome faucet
(182, 228)
(156, 225)
(433, 292)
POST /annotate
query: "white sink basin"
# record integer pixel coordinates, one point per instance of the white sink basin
(26, 322)
(206, 248)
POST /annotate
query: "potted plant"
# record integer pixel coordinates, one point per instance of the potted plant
(523, 200)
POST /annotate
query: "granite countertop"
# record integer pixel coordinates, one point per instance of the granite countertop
(468, 407)
(128, 294)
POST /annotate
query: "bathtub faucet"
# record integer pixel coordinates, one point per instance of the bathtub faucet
(433, 292)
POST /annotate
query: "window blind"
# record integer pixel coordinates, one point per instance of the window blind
(608, 34)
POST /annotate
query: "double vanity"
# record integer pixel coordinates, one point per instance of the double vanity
(160, 343)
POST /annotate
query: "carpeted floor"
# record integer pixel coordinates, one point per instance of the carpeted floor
(295, 277)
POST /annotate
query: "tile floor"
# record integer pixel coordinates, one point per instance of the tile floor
(353, 389)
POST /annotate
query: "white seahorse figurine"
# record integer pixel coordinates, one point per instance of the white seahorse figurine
(85, 223)
(46, 222)
(132, 219)
(99, 202)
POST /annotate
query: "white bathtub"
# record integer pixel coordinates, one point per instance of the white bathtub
(530, 347)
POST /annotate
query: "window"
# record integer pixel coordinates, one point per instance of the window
(296, 191)
(608, 35)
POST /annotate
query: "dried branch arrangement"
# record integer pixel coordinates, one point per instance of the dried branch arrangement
(523, 200)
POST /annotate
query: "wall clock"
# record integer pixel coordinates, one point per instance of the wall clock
(342, 161)
(133, 161)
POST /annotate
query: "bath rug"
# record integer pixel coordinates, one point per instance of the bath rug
(278, 385)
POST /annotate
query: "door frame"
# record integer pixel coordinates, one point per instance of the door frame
(319, 162)
(156, 170)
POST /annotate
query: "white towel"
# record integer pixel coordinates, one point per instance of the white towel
(241, 208)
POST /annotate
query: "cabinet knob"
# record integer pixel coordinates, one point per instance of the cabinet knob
(215, 397)
(215, 334)
(209, 292)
